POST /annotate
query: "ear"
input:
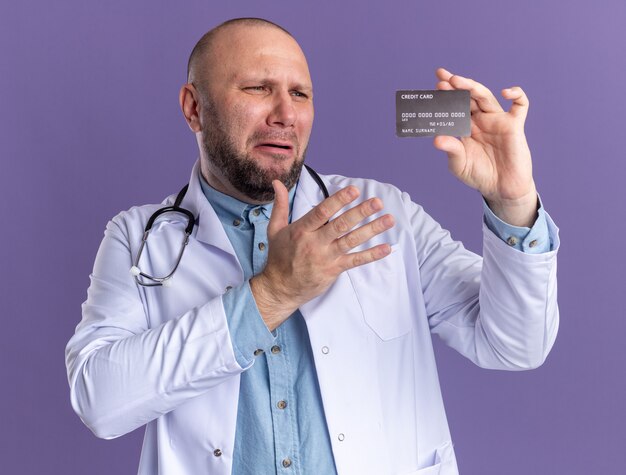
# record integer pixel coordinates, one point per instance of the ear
(189, 104)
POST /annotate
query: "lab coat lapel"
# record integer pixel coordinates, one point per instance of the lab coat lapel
(209, 228)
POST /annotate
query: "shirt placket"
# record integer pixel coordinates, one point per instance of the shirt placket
(280, 377)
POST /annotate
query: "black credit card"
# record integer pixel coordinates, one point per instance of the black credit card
(425, 113)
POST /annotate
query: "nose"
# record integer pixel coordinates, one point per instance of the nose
(283, 113)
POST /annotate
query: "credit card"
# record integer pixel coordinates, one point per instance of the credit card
(425, 113)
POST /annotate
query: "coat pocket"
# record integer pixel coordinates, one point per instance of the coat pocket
(381, 289)
(445, 463)
(432, 470)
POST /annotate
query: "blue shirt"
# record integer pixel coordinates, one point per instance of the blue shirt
(281, 427)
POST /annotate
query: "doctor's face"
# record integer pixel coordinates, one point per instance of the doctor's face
(257, 112)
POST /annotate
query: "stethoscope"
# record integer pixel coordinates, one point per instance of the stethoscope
(148, 280)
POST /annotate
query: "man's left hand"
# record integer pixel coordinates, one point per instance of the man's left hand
(495, 159)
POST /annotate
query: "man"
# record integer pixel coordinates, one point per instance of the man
(295, 334)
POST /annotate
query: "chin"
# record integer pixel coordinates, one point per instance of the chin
(275, 164)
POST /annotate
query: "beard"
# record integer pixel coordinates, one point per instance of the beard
(239, 168)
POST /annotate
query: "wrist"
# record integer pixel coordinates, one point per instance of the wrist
(521, 212)
(273, 305)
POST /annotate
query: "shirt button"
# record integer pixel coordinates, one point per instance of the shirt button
(228, 288)
(532, 243)
(262, 246)
(341, 437)
(256, 211)
(286, 463)
(282, 404)
(236, 222)
(325, 350)
(275, 349)
(258, 352)
(217, 452)
(511, 241)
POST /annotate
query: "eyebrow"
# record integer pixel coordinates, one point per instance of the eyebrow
(302, 87)
(265, 80)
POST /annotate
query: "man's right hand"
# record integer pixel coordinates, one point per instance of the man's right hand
(306, 256)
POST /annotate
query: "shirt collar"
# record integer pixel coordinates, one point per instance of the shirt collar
(229, 208)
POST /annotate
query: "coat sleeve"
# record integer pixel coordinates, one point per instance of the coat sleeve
(123, 374)
(500, 311)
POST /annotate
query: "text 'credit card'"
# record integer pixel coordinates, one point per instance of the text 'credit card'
(425, 113)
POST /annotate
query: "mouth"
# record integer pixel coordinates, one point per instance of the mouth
(276, 146)
(276, 149)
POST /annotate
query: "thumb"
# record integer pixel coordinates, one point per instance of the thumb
(456, 153)
(519, 108)
(280, 211)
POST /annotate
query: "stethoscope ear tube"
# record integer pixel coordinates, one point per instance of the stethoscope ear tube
(318, 180)
(152, 281)
(175, 208)
(190, 218)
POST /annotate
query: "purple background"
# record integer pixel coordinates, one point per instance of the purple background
(90, 125)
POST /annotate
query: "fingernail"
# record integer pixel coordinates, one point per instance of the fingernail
(376, 204)
(352, 192)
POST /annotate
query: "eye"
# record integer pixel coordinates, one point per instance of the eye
(299, 94)
(255, 89)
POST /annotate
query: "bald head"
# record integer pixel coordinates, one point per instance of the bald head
(199, 62)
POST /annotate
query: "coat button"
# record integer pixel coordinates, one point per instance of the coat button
(275, 349)
(287, 462)
(325, 350)
(282, 404)
(217, 452)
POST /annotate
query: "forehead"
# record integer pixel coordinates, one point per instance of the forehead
(241, 51)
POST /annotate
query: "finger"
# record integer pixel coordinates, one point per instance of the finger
(280, 211)
(364, 233)
(455, 151)
(346, 221)
(483, 96)
(355, 259)
(318, 216)
(446, 86)
(520, 105)
(443, 74)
